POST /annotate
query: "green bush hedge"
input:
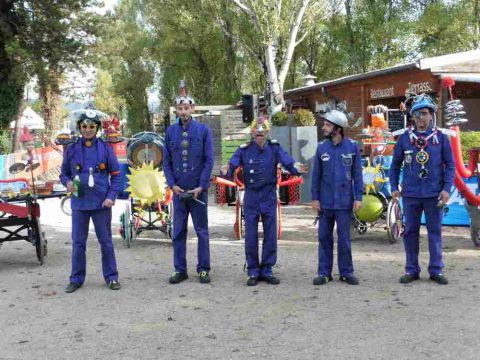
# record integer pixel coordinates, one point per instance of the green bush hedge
(279, 119)
(304, 117)
(5, 143)
(469, 139)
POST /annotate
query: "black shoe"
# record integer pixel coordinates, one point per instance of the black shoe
(322, 280)
(204, 277)
(408, 278)
(177, 277)
(252, 281)
(72, 287)
(350, 280)
(114, 285)
(439, 279)
(270, 279)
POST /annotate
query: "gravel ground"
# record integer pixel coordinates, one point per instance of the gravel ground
(150, 319)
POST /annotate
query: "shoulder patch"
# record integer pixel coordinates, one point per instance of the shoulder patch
(322, 142)
(244, 146)
(273, 141)
(353, 141)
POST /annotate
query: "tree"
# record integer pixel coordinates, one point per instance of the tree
(52, 37)
(279, 26)
(12, 72)
(106, 99)
(124, 49)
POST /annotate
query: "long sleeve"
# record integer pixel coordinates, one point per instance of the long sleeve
(208, 159)
(449, 164)
(287, 161)
(357, 176)
(114, 171)
(167, 161)
(396, 165)
(234, 162)
(65, 172)
(316, 176)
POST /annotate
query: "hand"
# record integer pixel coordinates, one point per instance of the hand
(197, 191)
(177, 190)
(444, 197)
(301, 168)
(70, 186)
(224, 169)
(396, 195)
(316, 205)
(357, 205)
(108, 203)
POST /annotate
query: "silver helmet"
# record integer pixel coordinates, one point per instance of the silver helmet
(336, 117)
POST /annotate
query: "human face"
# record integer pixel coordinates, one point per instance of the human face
(260, 136)
(29, 146)
(422, 118)
(327, 128)
(88, 130)
(185, 111)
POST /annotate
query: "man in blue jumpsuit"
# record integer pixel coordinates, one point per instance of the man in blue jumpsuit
(260, 159)
(337, 189)
(92, 166)
(428, 173)
(188, 164)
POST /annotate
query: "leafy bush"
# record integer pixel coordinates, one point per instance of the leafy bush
(5, 143)
(304, 117)
(469, 139)
(279, 119)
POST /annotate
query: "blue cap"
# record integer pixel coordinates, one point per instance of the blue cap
(423, 102)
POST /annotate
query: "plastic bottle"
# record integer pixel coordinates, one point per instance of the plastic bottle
(76, 186)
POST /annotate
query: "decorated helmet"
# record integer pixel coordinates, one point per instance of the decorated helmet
(336, 117)
(371, 209)
(89, 116)
(261, 125)
(182, 97)
(421, 102)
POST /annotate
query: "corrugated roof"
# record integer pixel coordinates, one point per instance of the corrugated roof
(427, 63)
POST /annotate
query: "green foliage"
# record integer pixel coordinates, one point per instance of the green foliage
(5, 142)
(279, 119)
(106, 98)
(469, 139)
(304, 117)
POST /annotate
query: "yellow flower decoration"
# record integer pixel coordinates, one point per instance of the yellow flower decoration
(370, 177)
(146, 184)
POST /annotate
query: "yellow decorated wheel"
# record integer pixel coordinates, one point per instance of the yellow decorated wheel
(371, 210)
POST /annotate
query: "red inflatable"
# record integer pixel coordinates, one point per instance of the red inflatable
(465, 191)
(457, 154)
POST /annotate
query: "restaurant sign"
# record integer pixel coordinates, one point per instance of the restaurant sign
(382, 93)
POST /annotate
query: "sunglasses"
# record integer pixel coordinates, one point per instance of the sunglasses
(91, 127)
(419, 114)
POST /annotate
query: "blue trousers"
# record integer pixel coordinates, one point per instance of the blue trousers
(255, 204)
(413, 208)
(102, 221)
(199, 212)
(343, 218)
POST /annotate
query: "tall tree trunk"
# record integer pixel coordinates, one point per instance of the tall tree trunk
(49, 94)
(476, 25)
(351, 36)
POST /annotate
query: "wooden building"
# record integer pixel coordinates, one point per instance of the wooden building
(388, 87)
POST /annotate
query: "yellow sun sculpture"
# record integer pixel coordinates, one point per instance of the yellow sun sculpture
(146, 184)
(370, 177)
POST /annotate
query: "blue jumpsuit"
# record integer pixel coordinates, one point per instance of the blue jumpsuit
(188, 163)
(336, 182)
(77, 160)
(260, 200)
(421, 195)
